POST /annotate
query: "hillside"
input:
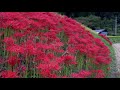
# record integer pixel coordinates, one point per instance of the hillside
(113, 64)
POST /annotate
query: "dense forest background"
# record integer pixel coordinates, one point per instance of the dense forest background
(98, 20)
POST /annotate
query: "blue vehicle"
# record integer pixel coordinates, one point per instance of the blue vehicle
(102, 31)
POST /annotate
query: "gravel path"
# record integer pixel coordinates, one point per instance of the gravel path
(117, 54)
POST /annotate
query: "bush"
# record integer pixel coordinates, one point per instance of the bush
(49, 45)
(91, 21)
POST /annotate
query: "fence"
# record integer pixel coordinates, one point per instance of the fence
(114, 39)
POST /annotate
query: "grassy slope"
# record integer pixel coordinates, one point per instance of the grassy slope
(113, 64)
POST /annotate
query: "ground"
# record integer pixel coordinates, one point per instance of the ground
(116, 46)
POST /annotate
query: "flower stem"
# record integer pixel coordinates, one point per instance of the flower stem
(26, 66)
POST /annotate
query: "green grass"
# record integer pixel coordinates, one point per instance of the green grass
(114, 39)
(113, 64)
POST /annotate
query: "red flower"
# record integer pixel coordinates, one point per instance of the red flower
(9, 41)
(82, 74)
(100, 74)
(75, 75)
(15, 48)
(45, 73)
(51, 66)
(85, 73)
(69, 60)
(103, 60)
(18, 35)
(106, 38)
(64, 77)
(43, 43)
(9, 74)
(13, 60)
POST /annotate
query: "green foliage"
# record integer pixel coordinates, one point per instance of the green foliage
(90, 21)
(96, 22)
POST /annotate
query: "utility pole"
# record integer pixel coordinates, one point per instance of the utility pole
(116, 25)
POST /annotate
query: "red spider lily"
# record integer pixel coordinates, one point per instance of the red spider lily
(37, 37)
(51, 56)
(50, 66)
(9, 41)
(75, 75)
(15, 49)
(106, 38)
(64, 77)
(103, 60)
(13, 60)
(68, 60)
(82, 74)
(100, 74)
(18, 35)
(47, 74)
(9, 74)
(85, 73)
(40, 56)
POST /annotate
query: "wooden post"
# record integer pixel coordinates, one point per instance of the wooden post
(115, 25)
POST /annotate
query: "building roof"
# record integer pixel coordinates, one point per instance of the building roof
(100, 30)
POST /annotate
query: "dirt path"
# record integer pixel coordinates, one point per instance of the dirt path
(117, 54)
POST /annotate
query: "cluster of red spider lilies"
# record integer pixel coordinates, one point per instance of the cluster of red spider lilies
(49, 45)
